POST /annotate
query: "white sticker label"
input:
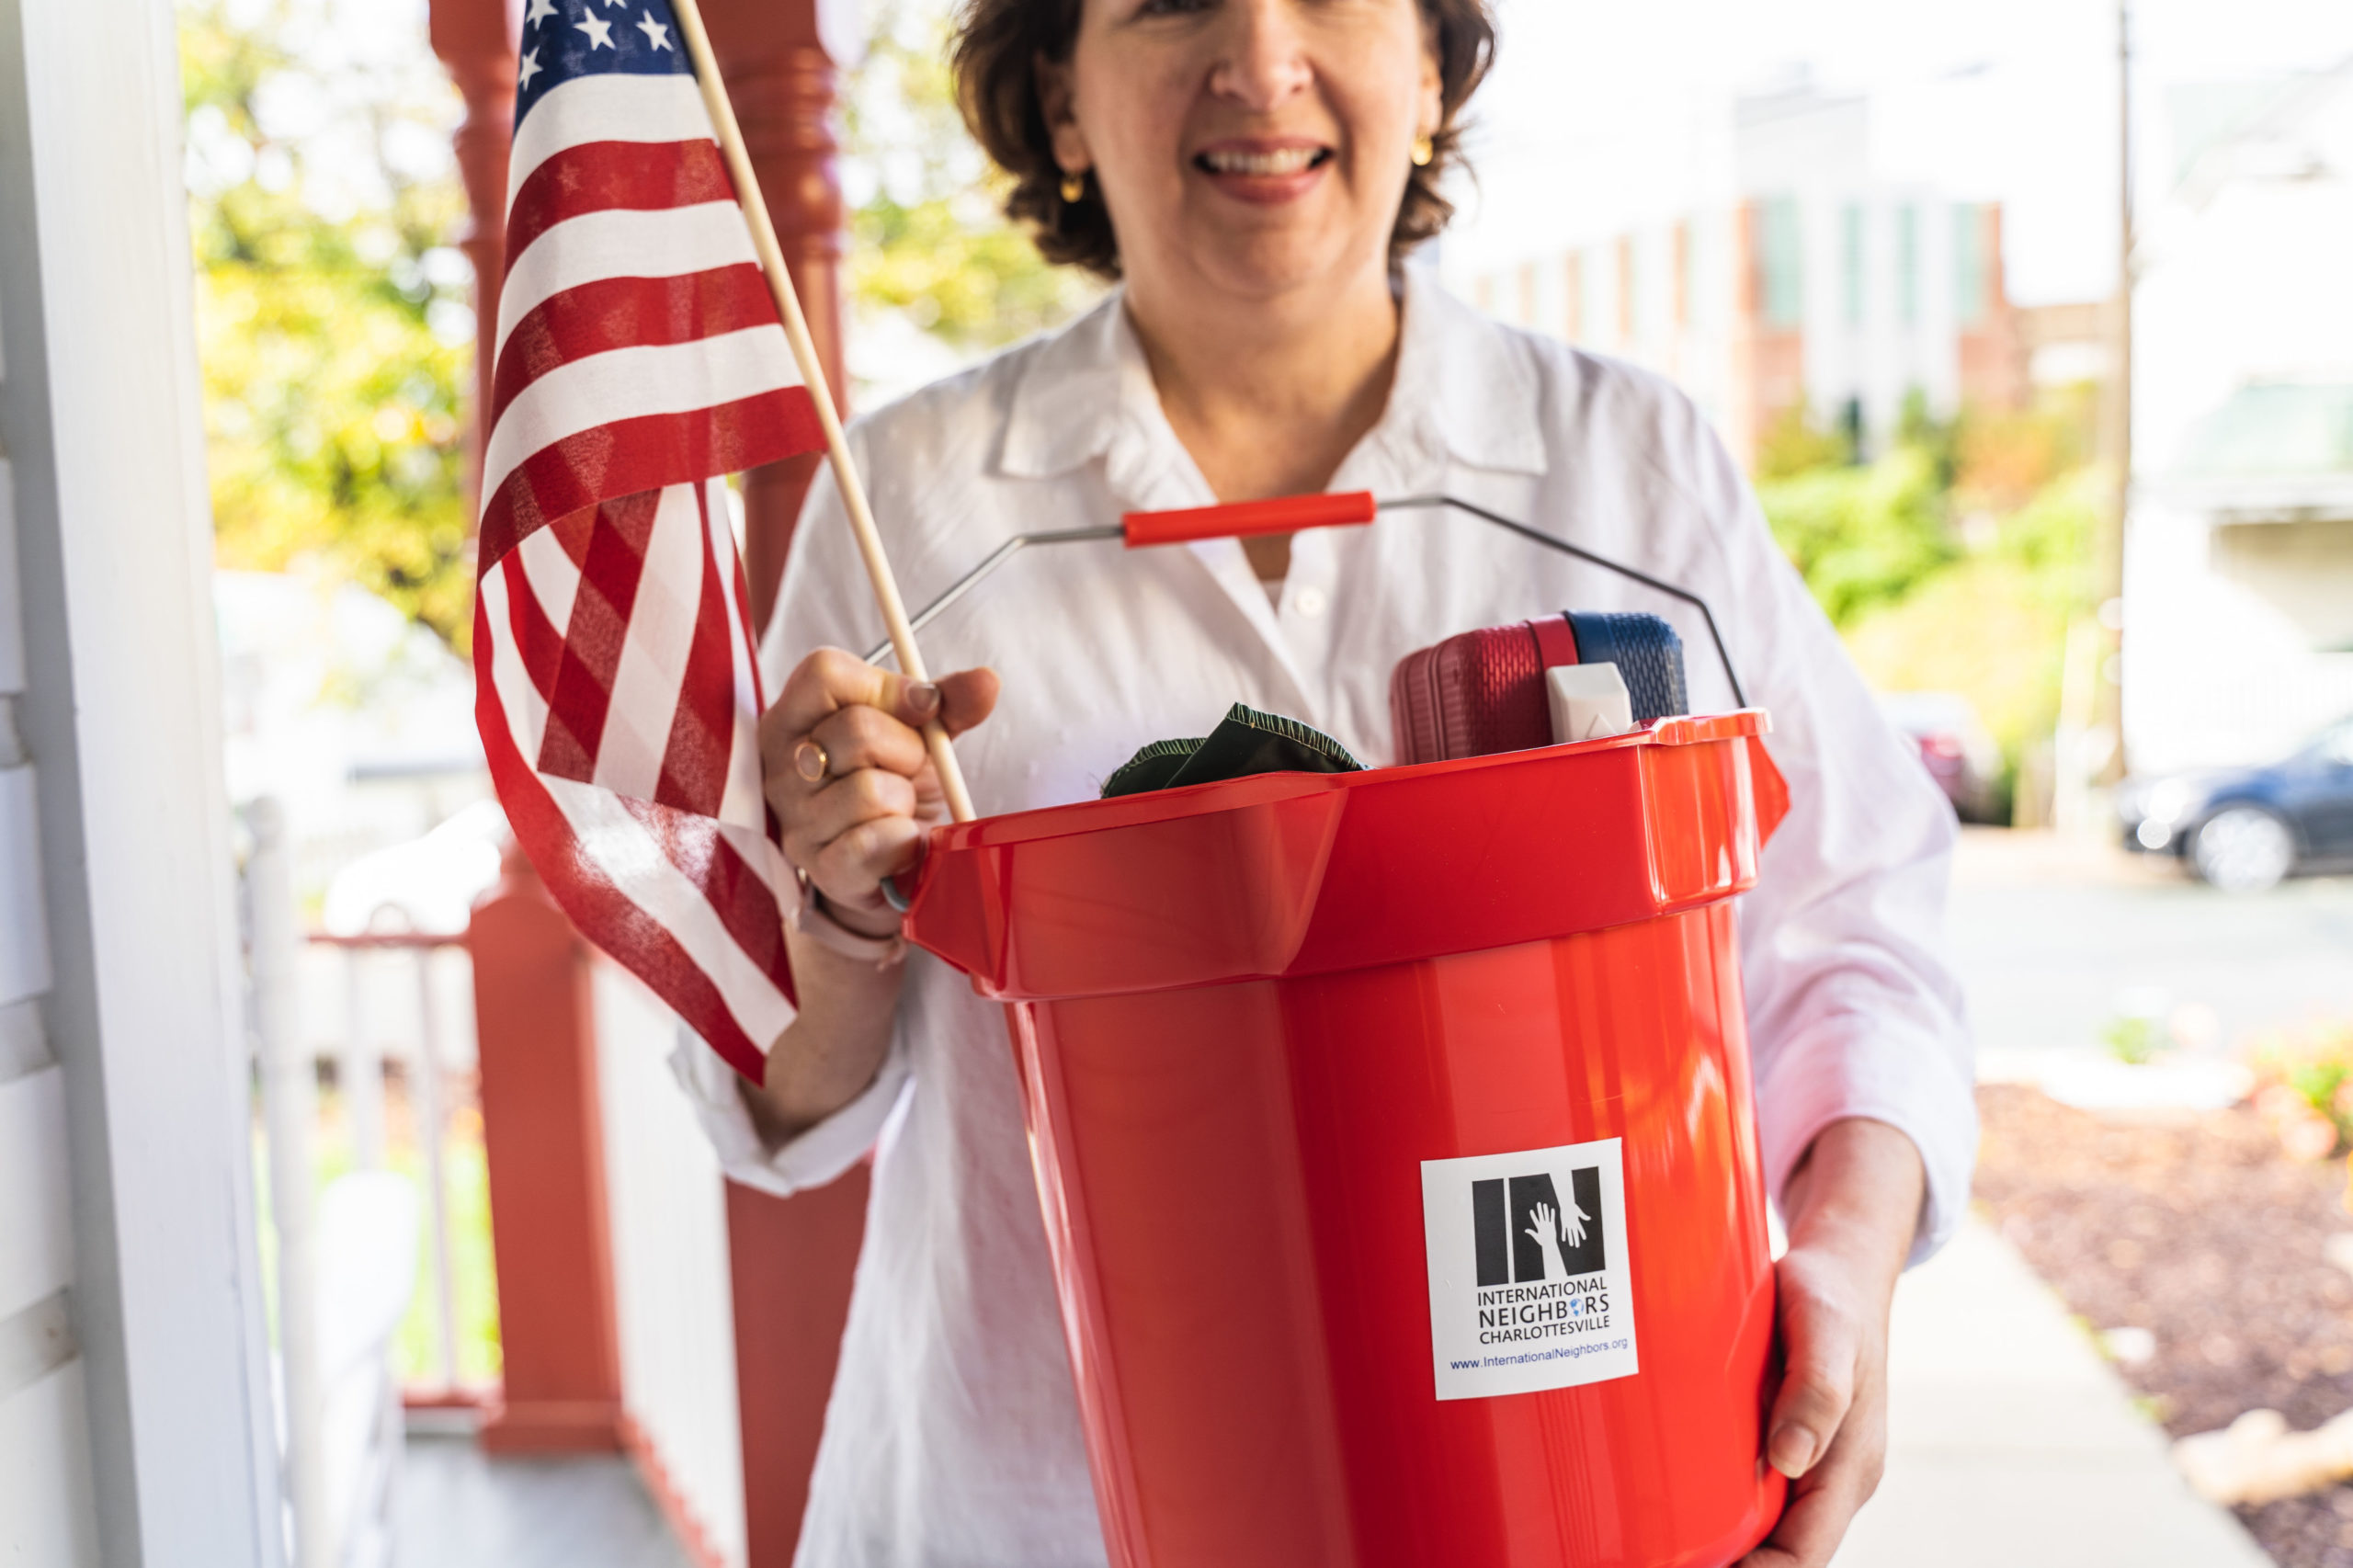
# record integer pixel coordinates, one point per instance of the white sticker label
(1528, 1282)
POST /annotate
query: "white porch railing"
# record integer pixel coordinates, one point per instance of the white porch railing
(392, 1013)
(396, 989)
(347, 1251)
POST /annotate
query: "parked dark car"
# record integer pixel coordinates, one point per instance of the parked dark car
(2243, 829)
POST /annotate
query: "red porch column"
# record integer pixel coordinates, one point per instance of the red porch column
(475, 40)
(784, 88)
(543, 1142)
(793, 1259)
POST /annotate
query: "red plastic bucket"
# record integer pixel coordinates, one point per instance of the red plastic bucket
(1313, 1065)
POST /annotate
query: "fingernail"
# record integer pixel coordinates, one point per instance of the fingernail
(1791, 1450)
(922, 698)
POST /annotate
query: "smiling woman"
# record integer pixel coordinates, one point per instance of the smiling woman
(1254, 172)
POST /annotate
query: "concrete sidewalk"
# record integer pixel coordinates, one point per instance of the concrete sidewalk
(2012, 1443)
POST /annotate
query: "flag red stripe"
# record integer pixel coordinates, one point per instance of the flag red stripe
(744, 903)
(583, 890)
(537, 639)
(644, 453)
(627, 313)
(599, 630)
(603, 176)
(703, 725)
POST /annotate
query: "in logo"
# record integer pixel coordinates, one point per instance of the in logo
(1523, 1232)
(1529, 1288)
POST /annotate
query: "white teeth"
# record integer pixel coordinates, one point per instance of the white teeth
(1288, 161)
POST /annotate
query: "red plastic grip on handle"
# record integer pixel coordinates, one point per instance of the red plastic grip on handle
(1285, 514)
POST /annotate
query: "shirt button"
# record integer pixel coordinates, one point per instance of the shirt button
(1310, 602)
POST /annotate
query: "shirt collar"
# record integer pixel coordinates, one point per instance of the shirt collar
(1467, 392)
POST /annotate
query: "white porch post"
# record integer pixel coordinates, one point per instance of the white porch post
(120, 716)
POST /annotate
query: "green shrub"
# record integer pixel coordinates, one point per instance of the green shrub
(2308, 1072)
(1863, 536)
(2133, 1040)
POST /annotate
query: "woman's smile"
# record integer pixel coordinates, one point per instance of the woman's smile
(1264, 170)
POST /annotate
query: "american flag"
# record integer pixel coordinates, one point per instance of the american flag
(638, 360)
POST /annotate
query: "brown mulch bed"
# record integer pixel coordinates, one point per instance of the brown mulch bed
(2201, 1230)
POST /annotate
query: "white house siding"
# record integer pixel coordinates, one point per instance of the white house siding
(48, 1512)
(134, 1414)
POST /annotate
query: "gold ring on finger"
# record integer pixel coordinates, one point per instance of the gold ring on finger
(809, 761)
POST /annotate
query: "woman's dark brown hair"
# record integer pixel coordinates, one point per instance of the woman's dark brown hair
(998, 45)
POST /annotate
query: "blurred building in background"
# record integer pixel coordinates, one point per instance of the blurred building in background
(2239, 553)
(1805, 283)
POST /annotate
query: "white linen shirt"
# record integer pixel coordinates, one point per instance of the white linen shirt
(953, 1439)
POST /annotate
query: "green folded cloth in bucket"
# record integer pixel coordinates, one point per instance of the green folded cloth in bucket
(1245, 742)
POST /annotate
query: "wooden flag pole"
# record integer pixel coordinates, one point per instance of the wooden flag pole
(804, 351)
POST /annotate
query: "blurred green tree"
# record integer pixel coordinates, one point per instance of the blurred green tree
(1794, 444)
(928, 237)
(335, 341)
(1863, 535)
(1955, 561)
(1993, 624)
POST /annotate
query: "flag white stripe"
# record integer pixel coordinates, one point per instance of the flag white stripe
(627, 853)
(615, 107)
(652, 670)
(665, 241)
(633, 383)
(526, 712)
(742, 801)
(635, 864)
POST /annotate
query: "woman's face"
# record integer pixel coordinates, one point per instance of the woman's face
(1251, 146)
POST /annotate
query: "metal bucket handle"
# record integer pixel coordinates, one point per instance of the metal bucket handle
(1289, 514)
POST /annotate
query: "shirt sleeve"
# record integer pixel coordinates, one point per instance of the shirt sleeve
(815, 609)
(816, 1156)
(1853, 1007)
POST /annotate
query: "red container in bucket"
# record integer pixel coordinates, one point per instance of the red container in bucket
(1395, 1135)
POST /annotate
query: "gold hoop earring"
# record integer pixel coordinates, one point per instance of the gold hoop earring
(1074, 190)
(1425, 149)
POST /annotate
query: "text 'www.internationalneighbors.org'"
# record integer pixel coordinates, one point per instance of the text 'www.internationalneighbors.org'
(1526, 1356)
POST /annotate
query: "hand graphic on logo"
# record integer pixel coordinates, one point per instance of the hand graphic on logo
(1574, 1222)
(1546, 1230)
(1552, 1231)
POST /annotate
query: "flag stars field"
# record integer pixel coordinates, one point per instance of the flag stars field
(656, 33)
(599, 32)
(540, 12)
